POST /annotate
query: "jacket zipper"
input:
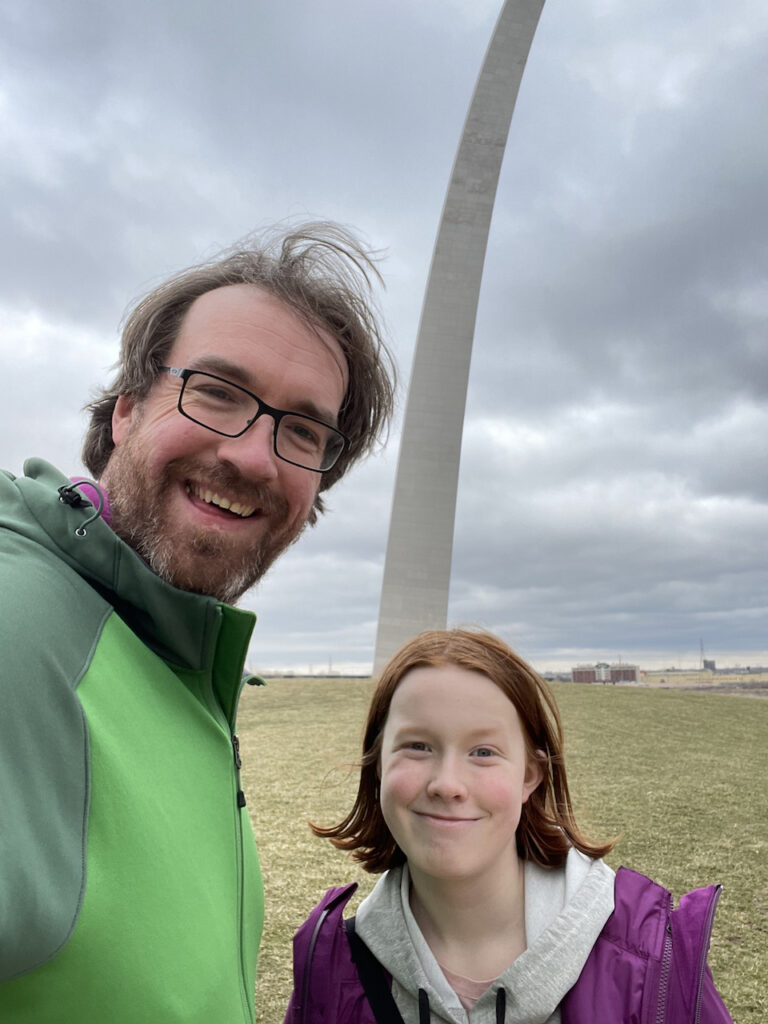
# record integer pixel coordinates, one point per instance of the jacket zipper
(705, 950)
(228, 724)
(240, 869)
(666, 963)
(238, 766)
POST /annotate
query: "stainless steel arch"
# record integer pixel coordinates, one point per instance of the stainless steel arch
(417, 570)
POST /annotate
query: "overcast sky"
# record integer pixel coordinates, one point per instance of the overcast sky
(613, 497)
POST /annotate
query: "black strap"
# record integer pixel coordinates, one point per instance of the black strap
(373, 978)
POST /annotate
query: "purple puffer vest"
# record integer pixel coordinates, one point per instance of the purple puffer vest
(648, 966)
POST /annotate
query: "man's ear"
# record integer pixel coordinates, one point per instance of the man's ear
(534, 773)
(122, 417)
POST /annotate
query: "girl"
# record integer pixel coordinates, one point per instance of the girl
(493, 906)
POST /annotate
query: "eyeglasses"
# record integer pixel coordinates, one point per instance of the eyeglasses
(227, 409)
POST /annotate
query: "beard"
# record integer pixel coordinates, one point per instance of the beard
(212, 562)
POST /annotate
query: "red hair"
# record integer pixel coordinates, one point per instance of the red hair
(547, 828)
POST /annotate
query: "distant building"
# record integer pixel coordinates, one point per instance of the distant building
(591, 673)
(602, 672)
(708, 666)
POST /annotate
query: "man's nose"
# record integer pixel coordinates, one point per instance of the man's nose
(252, 453)
(447, 781)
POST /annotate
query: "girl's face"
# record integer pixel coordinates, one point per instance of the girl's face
(454, 774)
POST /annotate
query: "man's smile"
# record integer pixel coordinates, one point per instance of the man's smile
(221, 501)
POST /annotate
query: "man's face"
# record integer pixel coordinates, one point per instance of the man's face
(170, 480)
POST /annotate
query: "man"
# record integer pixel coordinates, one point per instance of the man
(129, 881)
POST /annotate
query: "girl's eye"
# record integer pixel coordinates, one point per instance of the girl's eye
(484, 752)
(417, 745)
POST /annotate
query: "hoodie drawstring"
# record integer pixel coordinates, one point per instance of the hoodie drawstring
(501, 1005)
(423, 1007)
(68, 496)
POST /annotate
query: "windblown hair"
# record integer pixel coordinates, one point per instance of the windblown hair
(319, 270)
(547, 826)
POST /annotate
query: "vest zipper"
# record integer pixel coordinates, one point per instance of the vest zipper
(666, 963)
(705, 950)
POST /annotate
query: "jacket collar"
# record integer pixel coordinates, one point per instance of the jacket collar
(187, 630)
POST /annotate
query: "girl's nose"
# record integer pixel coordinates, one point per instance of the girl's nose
(447, 781)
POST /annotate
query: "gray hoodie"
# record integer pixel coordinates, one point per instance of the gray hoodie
(565, 910)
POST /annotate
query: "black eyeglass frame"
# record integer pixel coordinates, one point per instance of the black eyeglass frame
(184, 373)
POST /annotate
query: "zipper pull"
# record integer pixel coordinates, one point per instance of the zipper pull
(238, 766)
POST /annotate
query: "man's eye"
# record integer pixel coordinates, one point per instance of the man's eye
(213, 393)
(302, 430)
(303, 433)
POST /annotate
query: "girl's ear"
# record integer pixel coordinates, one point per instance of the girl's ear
(534, 773)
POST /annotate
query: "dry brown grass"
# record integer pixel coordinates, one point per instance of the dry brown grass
(683, 776)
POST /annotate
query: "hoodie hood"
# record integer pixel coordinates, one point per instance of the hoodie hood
(565, 911)
(180, 627)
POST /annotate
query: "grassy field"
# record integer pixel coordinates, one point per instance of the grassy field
(683, 777)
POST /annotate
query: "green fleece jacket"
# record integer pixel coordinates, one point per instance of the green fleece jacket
(130, 888)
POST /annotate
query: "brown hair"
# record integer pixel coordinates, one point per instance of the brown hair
(547, 827)
(323, 273)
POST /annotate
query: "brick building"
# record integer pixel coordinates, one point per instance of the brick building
(602, 672)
